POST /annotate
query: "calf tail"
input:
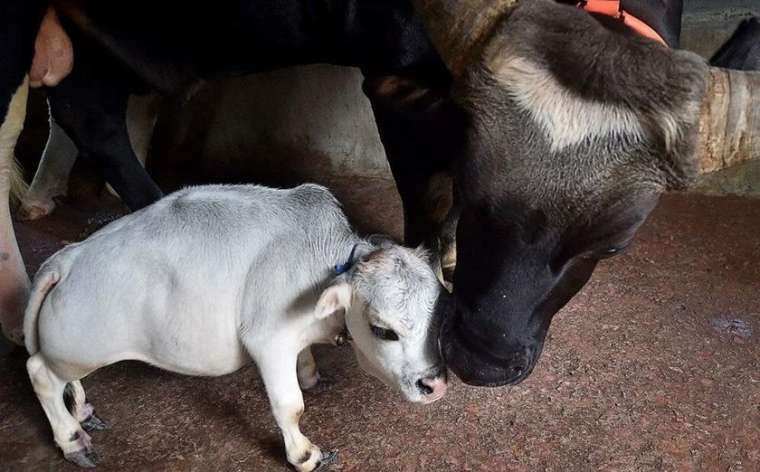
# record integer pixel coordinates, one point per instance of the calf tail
(43, 282)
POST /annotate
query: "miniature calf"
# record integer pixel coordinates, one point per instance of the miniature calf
(208, 278)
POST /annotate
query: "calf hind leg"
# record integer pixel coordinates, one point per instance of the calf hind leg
(68, 433)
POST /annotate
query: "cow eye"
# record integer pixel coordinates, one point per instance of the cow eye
(613, 251)
(383, 333)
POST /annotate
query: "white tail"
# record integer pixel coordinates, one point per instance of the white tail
(44, 281)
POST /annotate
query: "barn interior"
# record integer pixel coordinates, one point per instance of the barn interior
(654, 365)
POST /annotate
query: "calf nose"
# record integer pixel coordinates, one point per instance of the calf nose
(432, 388)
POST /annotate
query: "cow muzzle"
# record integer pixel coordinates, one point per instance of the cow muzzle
(470, 359)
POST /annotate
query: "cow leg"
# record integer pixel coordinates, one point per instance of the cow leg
(68, 433)
(59, 156)
(14, 282)
(142, 113)
(278, 370)
(52, 176)
(82, 411)
(422, 134)
(91, 106)
(308, 375)
(19, 22)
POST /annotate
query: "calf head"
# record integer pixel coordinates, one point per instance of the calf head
(388, 299)
(572, 133)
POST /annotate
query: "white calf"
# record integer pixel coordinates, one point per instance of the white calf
(209, 278)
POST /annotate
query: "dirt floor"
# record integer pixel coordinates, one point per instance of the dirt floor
(655, 365)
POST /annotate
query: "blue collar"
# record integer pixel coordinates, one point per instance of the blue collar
(346, 266)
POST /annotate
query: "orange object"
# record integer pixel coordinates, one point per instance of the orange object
(614, 9)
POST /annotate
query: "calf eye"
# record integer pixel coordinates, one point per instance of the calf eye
(383, 333)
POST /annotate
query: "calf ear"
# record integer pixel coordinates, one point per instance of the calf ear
(336, 298)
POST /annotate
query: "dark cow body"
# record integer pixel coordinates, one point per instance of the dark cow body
(742, 50)
(179, 43)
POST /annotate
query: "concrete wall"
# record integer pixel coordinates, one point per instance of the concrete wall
(293, 124)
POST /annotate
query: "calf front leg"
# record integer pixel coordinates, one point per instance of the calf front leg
(278, 370)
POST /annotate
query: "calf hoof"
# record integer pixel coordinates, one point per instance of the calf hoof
(93, 423)
(80, 450)
(30, 211)
(314, 459)
(327, 459)
(83, 458)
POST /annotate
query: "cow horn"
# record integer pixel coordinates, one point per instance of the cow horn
(458, 28)
(729, 128)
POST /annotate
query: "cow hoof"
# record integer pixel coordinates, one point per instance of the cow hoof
(35, 211)
(86, 458)
(327, 459)
(310, 382)
(93, 423)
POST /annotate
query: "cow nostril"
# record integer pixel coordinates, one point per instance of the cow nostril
(423, 388)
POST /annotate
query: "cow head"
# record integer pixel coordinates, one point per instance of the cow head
(573, 132)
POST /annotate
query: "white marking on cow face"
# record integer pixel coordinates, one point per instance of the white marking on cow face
(389, 314)
(566, 118)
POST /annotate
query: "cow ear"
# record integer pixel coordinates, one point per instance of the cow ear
(335, 299)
